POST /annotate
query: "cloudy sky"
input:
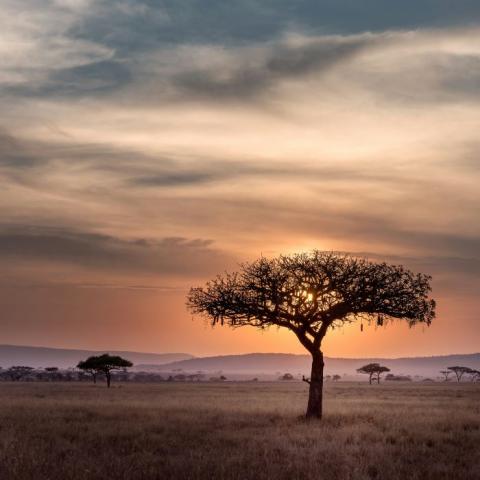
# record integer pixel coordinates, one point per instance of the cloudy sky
(147, 145)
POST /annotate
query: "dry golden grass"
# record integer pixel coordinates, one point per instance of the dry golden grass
(238, 431)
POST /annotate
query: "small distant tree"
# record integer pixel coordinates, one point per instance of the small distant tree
(336, 378)
(311, 294)
(286, 376)
(446, 374)
(104, 364)
(474, 374)
(373, 370)
(89, 366)
(381, 370)
(370, 369)
(51, 373)
(17, 372)
(459, 371)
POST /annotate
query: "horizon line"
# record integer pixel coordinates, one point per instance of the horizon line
(93, 350)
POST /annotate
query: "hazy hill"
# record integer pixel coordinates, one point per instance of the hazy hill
(64, 358)
(271, 363)
(253, 364)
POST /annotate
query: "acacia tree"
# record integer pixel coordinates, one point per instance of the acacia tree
(104, 364)
(381, 370)
(369, 369)
(459, 371)
(310, 294)
(474, 375)
(373, 369)
(89, 366)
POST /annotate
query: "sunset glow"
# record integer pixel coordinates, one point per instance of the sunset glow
(137, 163)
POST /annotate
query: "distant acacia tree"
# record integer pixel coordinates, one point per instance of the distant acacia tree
(373, 370)
(380, 371)
(104, 364)
(459, 371)
(446, 374)
(89, 366)
(286, 376)
(17, 372)
(474, 374)
(311, 294)
(336, 378)
(52, 373)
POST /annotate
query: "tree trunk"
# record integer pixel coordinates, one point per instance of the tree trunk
(108, 379)
(315, 395)
(94, 378)
(370, 379)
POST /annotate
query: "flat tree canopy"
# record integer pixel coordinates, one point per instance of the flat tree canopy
(372, 369)
(104, 364)
(459, 371)
(309, 294)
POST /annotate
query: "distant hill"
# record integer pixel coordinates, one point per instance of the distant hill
(64, 358)
(263, 365)
(271, 363)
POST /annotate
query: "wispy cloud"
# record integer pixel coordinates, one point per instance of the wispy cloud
(176, 256)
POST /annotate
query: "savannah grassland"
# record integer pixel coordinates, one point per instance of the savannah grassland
(238, 431)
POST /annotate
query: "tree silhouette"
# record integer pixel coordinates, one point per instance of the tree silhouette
(446, 374)
(373, 369)
(336, 378)
(474, 374)
(311, 294)
(459, 371)
(381, 370)
(89, 366)
(104, 364)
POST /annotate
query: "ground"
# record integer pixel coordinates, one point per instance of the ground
(238, 431)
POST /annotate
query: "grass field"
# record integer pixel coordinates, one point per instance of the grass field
(238, 431)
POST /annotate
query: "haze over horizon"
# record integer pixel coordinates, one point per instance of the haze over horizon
(147, 146)
(111, 350)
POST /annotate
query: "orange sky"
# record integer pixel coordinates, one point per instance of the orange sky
(152, 321)
(137, 162)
